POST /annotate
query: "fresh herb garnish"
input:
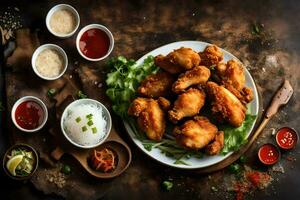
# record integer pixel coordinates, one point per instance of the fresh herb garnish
(78, 119)
(51, 92)
(235, 168)
(123, 80)
(256, 28)
(84, 128)
(243, 159)
(235, 137)
(167, 185)
(80, 95)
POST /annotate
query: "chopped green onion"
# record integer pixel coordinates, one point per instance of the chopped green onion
(89, 116)
(90, 123)
(84, 128)
(94, 129)
(78, 119)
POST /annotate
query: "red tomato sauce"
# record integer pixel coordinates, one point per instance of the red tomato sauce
(268, 154)
(94, 43)
(29, 115)
(286, 138)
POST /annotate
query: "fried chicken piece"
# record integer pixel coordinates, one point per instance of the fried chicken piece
(233, 74)
(187, 104)
(156, 85)
(150, 117)
(211, 55)
(245, 95)
(217, 145)
(197, 75)
(162, 62)
(233, 78)
(196, 133)
(164, 103)
(225, 104)
(178, 61)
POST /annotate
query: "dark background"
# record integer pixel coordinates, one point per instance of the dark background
(140, 26)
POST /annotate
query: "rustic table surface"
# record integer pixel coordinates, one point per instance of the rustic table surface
(264, 35)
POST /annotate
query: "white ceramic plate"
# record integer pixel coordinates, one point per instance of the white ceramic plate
(194, 163)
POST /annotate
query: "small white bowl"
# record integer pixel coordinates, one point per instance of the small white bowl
(97, 26)
(29, 98)
(86, 101)
(60, 7)
(49, 46)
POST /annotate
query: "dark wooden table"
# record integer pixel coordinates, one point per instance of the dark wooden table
(270, 52)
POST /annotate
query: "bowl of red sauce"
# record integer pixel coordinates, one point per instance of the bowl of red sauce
(29, 114)
(268, 154)
(94, 42)
(286, 138)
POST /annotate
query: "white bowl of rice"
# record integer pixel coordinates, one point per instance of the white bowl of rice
(49, 61)
(86, 123)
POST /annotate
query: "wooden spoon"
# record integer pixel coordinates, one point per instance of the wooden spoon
(282, 97)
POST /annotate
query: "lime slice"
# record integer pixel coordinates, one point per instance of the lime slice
(12, 164)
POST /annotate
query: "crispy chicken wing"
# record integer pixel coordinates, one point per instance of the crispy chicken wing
(197, 75)
(233, 78)
(233, 74)
(187, 104)
(178, 61)
(150, 117)
(217, 145)
(227, 105)
(196, 133)
(211, 55)
(156, 85)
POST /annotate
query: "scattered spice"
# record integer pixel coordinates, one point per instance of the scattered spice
(290, 158)
(249, 181)
(56, 177)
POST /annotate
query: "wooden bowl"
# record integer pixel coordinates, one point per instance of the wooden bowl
(25, 147)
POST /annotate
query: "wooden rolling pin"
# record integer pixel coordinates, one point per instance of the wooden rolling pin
(282, 97)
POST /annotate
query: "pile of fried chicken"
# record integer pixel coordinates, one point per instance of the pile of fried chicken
(178, 92)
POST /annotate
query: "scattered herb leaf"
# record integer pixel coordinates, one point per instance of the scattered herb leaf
(167, 185)
(66, 169)
(80, 95)
(51, 92)
(234, 168)
(214, 189)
